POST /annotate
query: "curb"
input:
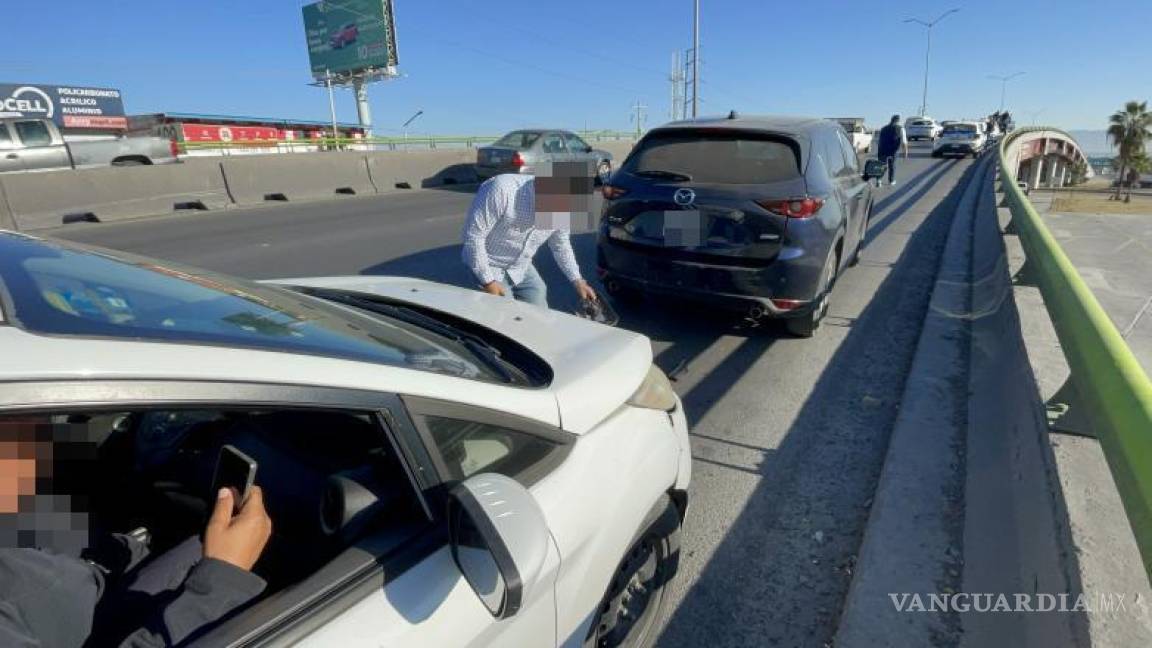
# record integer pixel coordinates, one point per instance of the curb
(912, 542)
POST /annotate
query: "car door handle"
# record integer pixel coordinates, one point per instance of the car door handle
(12, 156)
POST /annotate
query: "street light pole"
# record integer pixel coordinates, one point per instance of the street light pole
(405, 127)
(695, 58)
(1004, 85)
(928, 52)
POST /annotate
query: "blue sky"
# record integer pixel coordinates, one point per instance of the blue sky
(487, 66)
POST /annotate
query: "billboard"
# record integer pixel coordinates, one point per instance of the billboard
(347, 36)
(68, 106)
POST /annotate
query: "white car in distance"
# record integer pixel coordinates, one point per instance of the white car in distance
(922, 128)
(442, 467)
(961, 139)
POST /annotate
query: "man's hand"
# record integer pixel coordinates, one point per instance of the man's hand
(583, 290)
(238, 539)
(494, 288)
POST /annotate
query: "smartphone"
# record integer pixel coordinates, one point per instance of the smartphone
(234, 470)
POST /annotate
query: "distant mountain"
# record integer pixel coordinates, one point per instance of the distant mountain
(1094, 143)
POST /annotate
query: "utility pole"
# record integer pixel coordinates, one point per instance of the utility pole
(641, 112)
(928, 53)
(695, 58)
(677, 79)
(1004, 85)
(686, 93)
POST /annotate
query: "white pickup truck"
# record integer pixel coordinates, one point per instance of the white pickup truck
(858, 133)
(29, 144)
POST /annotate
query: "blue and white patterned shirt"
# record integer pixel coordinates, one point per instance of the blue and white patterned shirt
(501, 236)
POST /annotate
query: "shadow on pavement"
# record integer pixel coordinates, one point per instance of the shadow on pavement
(922, 184)
(779, 575)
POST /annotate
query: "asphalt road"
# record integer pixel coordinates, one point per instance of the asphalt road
(788, 435)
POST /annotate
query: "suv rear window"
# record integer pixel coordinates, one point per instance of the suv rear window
(720, 158)
(968, 129)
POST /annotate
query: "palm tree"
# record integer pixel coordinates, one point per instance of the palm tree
(1137, 165)
(1129, 129)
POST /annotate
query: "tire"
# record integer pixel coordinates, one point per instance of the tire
(806, 325)
(131, 162)
(641, 579)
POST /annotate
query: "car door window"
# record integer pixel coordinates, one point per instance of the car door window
(470, 447)
(833, 156)
(850, 161)
(5, 138)
(141, 478)
(575, 144)
(553, 143)
(33, 133)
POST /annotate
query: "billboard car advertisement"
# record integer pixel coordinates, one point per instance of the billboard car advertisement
(348, 36)
(68, 106)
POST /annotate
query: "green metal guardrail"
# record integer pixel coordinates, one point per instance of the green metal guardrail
(382, 143)
(1113, 387)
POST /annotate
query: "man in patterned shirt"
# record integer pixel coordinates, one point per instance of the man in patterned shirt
(511, 217)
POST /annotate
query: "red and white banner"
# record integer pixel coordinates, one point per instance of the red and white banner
(218, 133)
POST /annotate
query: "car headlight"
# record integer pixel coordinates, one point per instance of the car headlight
(655, 392)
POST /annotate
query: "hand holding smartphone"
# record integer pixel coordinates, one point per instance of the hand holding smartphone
(236, 471)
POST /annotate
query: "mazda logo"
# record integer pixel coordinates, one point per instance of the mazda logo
(684, 197)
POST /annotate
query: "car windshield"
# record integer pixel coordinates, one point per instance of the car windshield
(720, 158)
(55, 289)
(518, 139)
(920, 122)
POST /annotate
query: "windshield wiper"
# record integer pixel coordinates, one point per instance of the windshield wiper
(479, 347)
(660, 173)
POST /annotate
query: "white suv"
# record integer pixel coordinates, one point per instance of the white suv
(442, 467)
(922, 128)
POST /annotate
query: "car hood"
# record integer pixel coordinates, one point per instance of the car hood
(596, 368)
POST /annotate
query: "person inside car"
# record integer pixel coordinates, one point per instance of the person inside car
(61, 589)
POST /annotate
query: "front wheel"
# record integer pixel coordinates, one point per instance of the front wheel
(629, 614)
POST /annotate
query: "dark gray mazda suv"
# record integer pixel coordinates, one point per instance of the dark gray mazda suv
(759, 214)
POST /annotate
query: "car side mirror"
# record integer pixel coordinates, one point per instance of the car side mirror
(587, 149)
(499, 540)
(874, 169)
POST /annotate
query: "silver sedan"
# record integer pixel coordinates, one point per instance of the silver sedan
(520, 151)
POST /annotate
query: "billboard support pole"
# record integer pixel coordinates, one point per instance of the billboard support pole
(363, 110)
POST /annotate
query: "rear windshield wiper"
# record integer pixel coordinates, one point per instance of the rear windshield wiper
(660, 173)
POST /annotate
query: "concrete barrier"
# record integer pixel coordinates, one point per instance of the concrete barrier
(414, 169)
(256, 179)
(44, 200)
(49, 199)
